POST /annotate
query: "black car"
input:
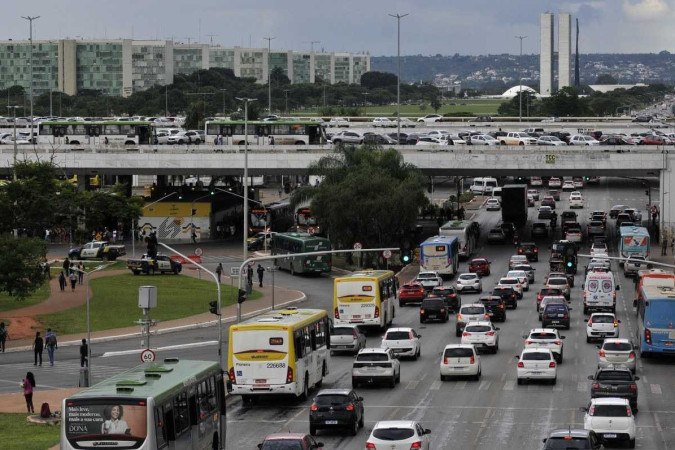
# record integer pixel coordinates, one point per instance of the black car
(496, 236)
(572, 439)
(508, 294)
(555, 193)
(378, 139)
(336, 408)
(495, 307)
(452, 299)
(548, 202)
(556, 315)
(539, 229)
(433, 308)
(509, 229)
(529, 249)
(568, 216)
(615, 381)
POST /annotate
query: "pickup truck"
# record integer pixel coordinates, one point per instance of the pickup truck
(615, 381)
(517, 138)
(161, 264)
(97, 250)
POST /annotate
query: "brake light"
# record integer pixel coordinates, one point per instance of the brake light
(453, 295)
(466, 333)
(536, 250)
(486, 316)
(370, 446)
(628, 411)
(632, 387)
(521, 365)
(591, 411)
(631, 355)
(314, 407)
(349, 407)
(417, 444)
(551, 365)
(472, 360)
(595, 386)
(518, 285)
(490, 333)
(501, 306)
(336, 313)
(445, 360)
(529, 342)
(230, 374)
(377, 312)
(459, 317)
(565, 316)
(648, 336)
(520, 250)
(601, 353)
(590, 321)
(557, 342)
(411, 335)
(289, 375)
(421, 311)
(616, 324)
(354, 334)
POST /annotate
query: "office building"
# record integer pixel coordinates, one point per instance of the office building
(546, 54)
(564, 50)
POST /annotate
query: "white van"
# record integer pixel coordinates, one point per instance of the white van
(483, 185)
(600, 292)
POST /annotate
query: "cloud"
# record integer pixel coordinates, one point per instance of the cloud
(646, 10)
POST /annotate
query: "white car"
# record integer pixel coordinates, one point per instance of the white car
(9, 140)
(483, 139)
(429, 140)
(471, 312)
(481, 334)
(430, 118)
(517, 260)
(405, 122)
(599, 248)
(512, 283)
(550, 140)
(576, 200)
(612, 419)
(346, 338)
(534, 193)
(347, 137)
(383, 122)
(460, 360)
(536, 181)
(185, 137)
(403, 342)
(469, 282)
(619, 352)
(376, 365)
(522, 277)
(454, 139)
(601, 325)
(492, 204)
(338, 122)
(554, 182)
(429, 279)
(568, 186)
(398, 435)
(536, 364)
(439, 134)
(582, 139)
(546, 338)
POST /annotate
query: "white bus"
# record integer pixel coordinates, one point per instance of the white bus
(466, 231)
(279, 352)
(174, 404)
(96, 132)
(483, 185)
(279, 132)
(365, 298)
(440, 254)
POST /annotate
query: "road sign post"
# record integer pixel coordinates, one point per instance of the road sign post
(147, 355)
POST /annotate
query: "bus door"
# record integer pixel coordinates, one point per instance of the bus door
(144, 135)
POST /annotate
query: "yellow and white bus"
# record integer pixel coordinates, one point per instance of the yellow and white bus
(279, 352)
(365, 298)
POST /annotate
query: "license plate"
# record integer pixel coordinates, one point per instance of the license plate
(356, 316)
(610, 435)
(261, 381)
(671, 335)
(396, 350)
(432, 316)
(535, 372)
(331, 422)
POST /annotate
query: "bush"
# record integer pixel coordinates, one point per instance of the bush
(466, 197)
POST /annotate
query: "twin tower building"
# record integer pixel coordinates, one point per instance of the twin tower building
(546, 55)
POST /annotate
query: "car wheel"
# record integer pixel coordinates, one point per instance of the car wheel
(400, 304)
(392, 382)
(515, 305)
(355, 383)
(355, 428)
(519, 381)
(362, 421)
(495, 349)
(588, 338)
(312, 430)
(443, 378)
(305, 388)
(398, 377)
(554, 381)
(561, 358)
(477, 376)
(458, 333)
(631, 443)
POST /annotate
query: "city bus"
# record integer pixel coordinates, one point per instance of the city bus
(279, 352)
(633, 241)
(279, 132)
(285, 244)
(656, 316)
(365, 298)
(305, 221)
(466, 231)
(172, 404)
(440, 254)
(96, 132)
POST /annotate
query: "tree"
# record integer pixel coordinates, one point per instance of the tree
(374, 79)
(605, 78)
(279, 77)
(21, 271)
(435, 103)
(565, 103)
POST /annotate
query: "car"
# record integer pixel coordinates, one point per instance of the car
(480, 266)
(433, 308)
(574, 234)
(522, 277)
(338, 122)
(513, 283)
(548, 201)
(469, 282)
(383, 122)
(534, 193)
(545, 212)
(378, 139)
(483, 139)
(270, 118)
(529, 249)
(544, 292)
(430, 118)
(578, 182)
(492, 204)
(495, 307)
(601, 325)
(403, 342)
(429, 279)
(496, 236)
(297, 441)
(539, 230)
(556, 315)
(634, 264)
(554, 182)
(346, 338)
(398, 435)
(515, 260)
(376, 365)
(546, 338)
(185, 137)
(347, 137)
(508, 294)
(536, 181)
(559, 282)
(530, 201)
(572, 439)
(617, 352)
(336, 408)
(430, 140)
(582, 139)
(481, 334)
(568, 186)
(635, 214)
(653, 139)
(262, 240)
(599, 215)
(509, 229)
(615, 381)
(615, 210)
(404, 122)
(412, 292)
(449, 295)
(471, 312)
(555, 193)
(611, 419)
(623, 220)
(536, 364)
(593, 180)
(560, 299)
(595, 228)
(576, 200)
(550, 140)
(598, 248)
(460, 360)
(569, 276)
(529, 271)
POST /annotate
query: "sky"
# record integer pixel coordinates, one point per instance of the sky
(446, 27)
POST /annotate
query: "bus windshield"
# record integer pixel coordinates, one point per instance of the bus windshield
(122, 421)
(252, 344)
(659, 313)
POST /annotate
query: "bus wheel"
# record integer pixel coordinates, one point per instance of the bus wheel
(305, 388)
(299, 143)
(323, 374)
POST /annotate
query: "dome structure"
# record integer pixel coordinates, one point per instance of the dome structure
(513, 92)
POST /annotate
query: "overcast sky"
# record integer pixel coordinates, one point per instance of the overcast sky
(434, 26)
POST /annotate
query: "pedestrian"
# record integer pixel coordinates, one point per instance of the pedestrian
(48, 270)
(219, 271)
(38, 347)
(73, 280)
(80, 272)
(28, 384)
(261, 272)
(672, 246)
(194, 235)
(66, 265)
(47, 232)
(62, 281)
(233, 229)
(84, 354)
(52, 345)
(664, 247)
(4, 334)
(249, 273)
(114, 236)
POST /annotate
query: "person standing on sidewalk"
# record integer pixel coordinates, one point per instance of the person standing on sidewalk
(62, 281)
(28, 384)
(219, 271)
(84, 354)
(73, 279)
(52, 345)
(4, 334)
(38, 347)
(66, 265)
(261, 272)
(80, 272)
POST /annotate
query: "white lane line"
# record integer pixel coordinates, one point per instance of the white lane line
(558, 387)
(581, 386)
(655, 388)
(643, 378)
(436, 385)
(159, 349)
(509, 385)
(461, 385)
(412, 385)
(484, 385)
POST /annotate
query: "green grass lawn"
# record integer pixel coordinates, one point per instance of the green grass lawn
(486, 106)
(114, 302)
(7, 303)
(17, 434)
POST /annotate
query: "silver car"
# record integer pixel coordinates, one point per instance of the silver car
(346, 338)
(469, 282)
(376, 365)
(618, 352)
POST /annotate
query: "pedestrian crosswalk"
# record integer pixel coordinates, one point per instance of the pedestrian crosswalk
(62, 374)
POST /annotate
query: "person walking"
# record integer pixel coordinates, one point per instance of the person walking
(66, 265)
(4, 334)
(48, 270)
(80, 272)
(28, 384)
(52, 345)
(249, 273)
(73, 280)
(84, 354)
(38, 347)
(62, 281)
(219, 271)
(261, 272)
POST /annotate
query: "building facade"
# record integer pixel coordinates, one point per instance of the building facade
(564, 50)
(546, 54)
(124, 66)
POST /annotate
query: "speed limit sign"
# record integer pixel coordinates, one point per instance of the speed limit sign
(357, 246)
(147, 355)
(199, 251)
(386, 254)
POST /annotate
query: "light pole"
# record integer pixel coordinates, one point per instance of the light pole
(166, 100)
(30, 20)
(133, 221)
(286, 94)
(246, 101)
(269, 75)
(192, 211)
(520, 84)
(398, 18)
(272, 269)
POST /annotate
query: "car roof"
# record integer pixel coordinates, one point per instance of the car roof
(479, 260)
(345, 325)
(284, 436)
(609, 401)
(400, 329)
(428, 272)
(395, 424)
(576, 432)
(460, 346)
(373, 350)
(523, 257)
(334, 392)
(480, 305)
(507, 278)
(543, 330)
(535, 350)
(479, 322)
(617, 341)
(471, 274)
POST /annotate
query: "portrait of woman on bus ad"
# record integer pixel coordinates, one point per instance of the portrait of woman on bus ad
(114, 423)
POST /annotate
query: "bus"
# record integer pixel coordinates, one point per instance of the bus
(656, 316)
(440, 254)
(96, 132)
(285, 244)
(365, 298)
(305, 222)
(172, 404)
(466, 231)
(279, 352)
(259, 218)
(652, 277)
(280, 132)
(633, 241)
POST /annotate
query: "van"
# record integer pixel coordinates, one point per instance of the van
(483, 185)
(599, 292)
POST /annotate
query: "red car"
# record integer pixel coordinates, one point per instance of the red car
(481, 266)
(297, 441)
(655, 140)
(545, 292)
(412, 292)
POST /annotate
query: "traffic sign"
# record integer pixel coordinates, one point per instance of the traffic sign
(357, 246)
(386, 254)
(199, 251)
(147, 355)
(234, 271)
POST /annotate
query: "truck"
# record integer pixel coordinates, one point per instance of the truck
(97, 250)
(149, 265)
(517, 138)
(514, 204)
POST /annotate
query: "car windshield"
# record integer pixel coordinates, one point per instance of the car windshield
(614, 375)
(285, 444)
(342, 331)
(473, 310)
(603, 319)
(373, 357)
(555, 309)
(411, 286)
(397, 335)
(557, 281)
(458, 352)
(567, 443)
(617, 346)
(542, 335)
(432, 303)
(610, 411)
(426, 276)
(393, 434)
(478, 328)
(467, 277)
(508, 281)
(536, 356)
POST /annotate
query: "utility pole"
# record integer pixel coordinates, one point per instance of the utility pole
(398, 18)
(30, 20)
(269, 75)
(520, 84)
(245, 230)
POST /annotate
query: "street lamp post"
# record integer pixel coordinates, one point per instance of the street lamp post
(520, 84)
(30, 89)
(246, 101)
(398, 18)
(272, 269)
(286, 94)
(223, 91)
(269, 75)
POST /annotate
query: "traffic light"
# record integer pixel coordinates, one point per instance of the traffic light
(241, 296)
(406, 256)
(213, 307)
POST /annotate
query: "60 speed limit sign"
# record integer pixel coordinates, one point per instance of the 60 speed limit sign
(147, 355)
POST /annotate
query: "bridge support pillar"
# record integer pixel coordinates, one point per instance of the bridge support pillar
(666, 198)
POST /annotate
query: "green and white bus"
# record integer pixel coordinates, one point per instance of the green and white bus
(260, 132)
(285, 244)
(118, 132)
(176, 404)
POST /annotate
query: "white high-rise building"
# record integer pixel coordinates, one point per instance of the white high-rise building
(564, 50)
(546, 54)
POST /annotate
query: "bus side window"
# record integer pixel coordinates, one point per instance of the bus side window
(308, 341)
(299, 345)
(169, 428)
(312, 338)
(160, 428)
(194, 411)
(182, 419)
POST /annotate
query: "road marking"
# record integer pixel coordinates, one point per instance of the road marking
(484, 385)
(412, 384)
(461, 385)
(436, 385)
(558, 387)
(656, 389)
(509, 385)
(581, 386)
(644, 379)
(159, 349)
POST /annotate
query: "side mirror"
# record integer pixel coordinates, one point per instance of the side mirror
(598, 346)
(360, 399)
(619, 321)
(636, 378)
(497, 329)
(319, 445)
(427, 431)
(524, 336)
(635, 303)
(591, 377)
(544, 440)
(583, 409)
(570, 309)
(517, 356)
(259, 445)
(562, 337)
(618, 288)
(419, 335)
